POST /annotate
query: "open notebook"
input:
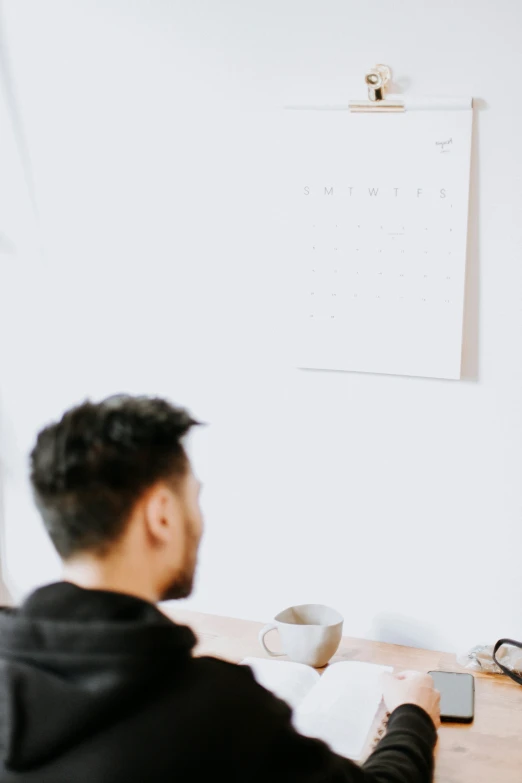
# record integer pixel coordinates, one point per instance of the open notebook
(338, 707)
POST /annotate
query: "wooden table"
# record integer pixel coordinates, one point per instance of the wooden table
(487, 751)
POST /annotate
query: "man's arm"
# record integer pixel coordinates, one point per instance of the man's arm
(265, 746)
(412, 729)
(407, 748)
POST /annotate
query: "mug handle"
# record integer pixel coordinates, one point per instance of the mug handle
(262, 633)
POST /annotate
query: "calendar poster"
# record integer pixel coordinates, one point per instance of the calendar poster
(377, 215)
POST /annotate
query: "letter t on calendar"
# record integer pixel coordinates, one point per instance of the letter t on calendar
(377, 213)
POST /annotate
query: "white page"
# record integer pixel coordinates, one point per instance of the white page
(376, 214)
(288, 681)
(341, 708)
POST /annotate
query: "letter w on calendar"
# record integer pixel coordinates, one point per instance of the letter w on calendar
(377, 213)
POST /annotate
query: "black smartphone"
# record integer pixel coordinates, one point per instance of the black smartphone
(457, 696)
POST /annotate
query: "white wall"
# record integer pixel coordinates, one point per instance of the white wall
(152, 129)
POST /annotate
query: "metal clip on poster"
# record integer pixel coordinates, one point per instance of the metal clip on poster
(378, 80)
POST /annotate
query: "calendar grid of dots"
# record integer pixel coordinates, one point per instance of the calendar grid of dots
(412, 269)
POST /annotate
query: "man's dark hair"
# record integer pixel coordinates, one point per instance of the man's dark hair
(89, 469)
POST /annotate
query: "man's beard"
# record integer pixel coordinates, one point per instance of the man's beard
(181, 585)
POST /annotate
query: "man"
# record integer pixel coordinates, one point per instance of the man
(98, 686)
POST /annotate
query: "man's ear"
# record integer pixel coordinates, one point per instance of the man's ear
(163, 515)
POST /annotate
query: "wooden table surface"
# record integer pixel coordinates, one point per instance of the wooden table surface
(487, 751)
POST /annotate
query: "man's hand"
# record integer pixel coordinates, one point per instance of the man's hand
(412, 688)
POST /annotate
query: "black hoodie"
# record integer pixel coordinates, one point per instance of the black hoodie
(101, 687)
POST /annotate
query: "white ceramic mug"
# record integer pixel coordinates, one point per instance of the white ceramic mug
(310, 633)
